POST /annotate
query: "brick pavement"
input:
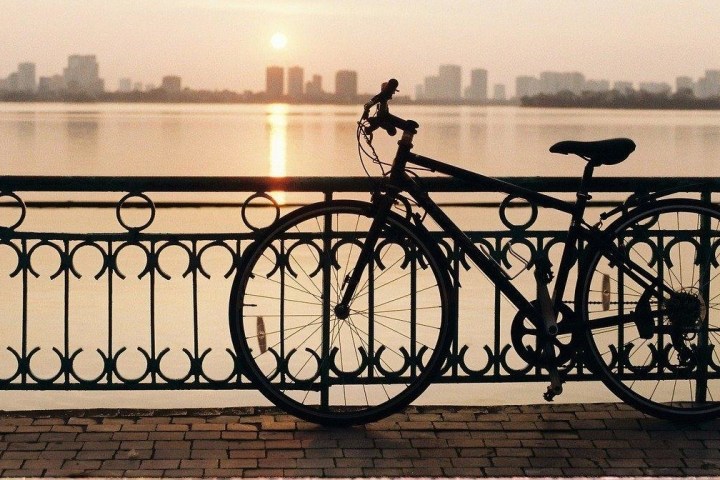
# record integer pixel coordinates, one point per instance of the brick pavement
(543, 440)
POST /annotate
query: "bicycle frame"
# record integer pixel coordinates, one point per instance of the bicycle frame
(400, 181)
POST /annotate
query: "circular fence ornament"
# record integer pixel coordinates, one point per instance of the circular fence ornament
(19, 205)
(257, 198)
(508, 204)
(150, 206)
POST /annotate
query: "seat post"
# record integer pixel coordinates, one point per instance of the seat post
(583, 194)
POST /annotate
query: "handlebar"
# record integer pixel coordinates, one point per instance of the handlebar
(382, 118)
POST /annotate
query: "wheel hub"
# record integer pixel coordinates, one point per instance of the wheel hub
(686, 310)
(342, 312)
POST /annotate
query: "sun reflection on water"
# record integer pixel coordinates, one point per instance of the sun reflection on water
(277, 118)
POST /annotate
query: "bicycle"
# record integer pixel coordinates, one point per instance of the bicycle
(342, 311)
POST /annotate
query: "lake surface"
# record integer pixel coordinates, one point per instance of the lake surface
(240, 140)
(278, 140)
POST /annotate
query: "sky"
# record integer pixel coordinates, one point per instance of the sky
(218, 44)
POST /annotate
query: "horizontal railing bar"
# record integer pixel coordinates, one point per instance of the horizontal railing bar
(335, 184)
(189, 205)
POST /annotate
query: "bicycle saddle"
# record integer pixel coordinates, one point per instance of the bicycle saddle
(602, 152)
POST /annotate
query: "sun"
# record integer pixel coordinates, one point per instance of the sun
(279, 41)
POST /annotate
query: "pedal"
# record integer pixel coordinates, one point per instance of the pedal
(551, 393)
(555, 388)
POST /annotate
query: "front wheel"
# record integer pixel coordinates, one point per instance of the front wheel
(340, 369)
(650, 308)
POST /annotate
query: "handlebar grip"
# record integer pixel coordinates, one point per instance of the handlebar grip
(389, 88)
(386, 92)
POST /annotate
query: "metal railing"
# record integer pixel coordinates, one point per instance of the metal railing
(123, 282)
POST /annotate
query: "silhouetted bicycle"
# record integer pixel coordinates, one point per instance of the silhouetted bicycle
(342, 311)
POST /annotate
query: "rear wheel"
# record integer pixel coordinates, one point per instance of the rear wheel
(656, 344)
(340, 369)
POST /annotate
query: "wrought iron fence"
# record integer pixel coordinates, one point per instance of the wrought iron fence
(123, 282)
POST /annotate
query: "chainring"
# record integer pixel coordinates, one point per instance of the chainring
(526, 337)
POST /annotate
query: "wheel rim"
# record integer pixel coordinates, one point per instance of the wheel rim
(313, 362)
(676, 372)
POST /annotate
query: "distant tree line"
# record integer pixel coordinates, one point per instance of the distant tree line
(158, 95)
(631, 99)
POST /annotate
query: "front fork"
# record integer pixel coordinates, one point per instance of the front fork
(382, 203)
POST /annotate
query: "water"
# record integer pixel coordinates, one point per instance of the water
(277, 140)
(240, 140)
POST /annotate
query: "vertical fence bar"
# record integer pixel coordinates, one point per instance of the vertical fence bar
(111, 272)
(704, 349)
(153, 344)
(23, 348)
(196, 322)
(66, 313)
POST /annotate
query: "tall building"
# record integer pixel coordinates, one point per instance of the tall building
(81, 74)
(56, 83)
(124, 85)
(432, 88)
(450, 78)
(499, 92)
(526, 86)
(10, 83)
(346, 85)
(709, 85)
(296, 80)
(684, 84)
(26, 77)
(556, 82)
(477, 90)
(313, 88)
(274, 82)
(171, 83)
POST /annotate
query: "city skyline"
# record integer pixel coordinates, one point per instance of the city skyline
(215, 44)
(448, 85)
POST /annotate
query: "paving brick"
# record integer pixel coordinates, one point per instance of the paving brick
(93, 454)
(173, 454)
(23, 473)
(212, 454)
(235, 463)
(64, 454)
(304, 472)
(159, 464)
(200, 464)
(354, 462)
(186, 473)
(121, 464)
(466, 472)
(81, 464)
(43, 464)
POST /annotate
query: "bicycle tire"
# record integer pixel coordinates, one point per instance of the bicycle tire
(330, 371)
(656, 347)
